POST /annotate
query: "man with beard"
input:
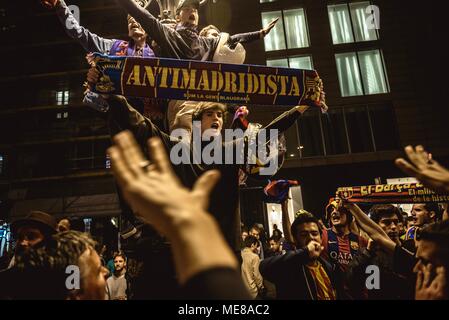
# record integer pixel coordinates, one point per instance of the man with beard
(118, 286)
(34, 230)
(340, 243)
(392, 286)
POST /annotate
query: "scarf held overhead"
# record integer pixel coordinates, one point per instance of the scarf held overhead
(390, 193)
(208, 81)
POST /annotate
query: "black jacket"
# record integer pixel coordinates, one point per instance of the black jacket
(292, 278)
(182, 43)
(392, 286)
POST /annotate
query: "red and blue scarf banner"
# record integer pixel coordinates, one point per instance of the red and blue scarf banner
(276, 191)
(208, 81)
(390, 193)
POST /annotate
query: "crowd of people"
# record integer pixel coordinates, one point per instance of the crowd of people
(199, 251)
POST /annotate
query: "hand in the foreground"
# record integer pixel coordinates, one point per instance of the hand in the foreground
(429, 172)
(430, 284)
(153, 191)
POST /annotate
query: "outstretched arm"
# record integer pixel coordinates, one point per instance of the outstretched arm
(286, 223)
(167, 38)
(287, 119)
(252, 36)
(90, 41)
(374, 231)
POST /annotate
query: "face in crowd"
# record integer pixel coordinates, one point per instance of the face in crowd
(421, 215)
(338, 217)
(274, 245)
(306, 232)
(212, 120)
(255, 233)
(390, 224)
(29, 236)
(135, 30)
(119, 263)
(188, 15)
(63, 225)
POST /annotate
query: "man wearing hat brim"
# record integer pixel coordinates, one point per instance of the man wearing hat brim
(35, 229)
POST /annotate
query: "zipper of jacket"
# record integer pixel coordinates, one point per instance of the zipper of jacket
(307, 283)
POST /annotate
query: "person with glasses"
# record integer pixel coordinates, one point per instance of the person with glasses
(392, 286)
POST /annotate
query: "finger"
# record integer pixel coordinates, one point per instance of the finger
(422, 155)
(205, 184)
(440, 279)
(406, 167)
(131, 152)
(419, 281)
(427, 275)
(158, 155)
(119, 167)
(411, 154)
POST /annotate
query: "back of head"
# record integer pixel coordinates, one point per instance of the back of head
(250, 240)
(438, 233)
(435, 207)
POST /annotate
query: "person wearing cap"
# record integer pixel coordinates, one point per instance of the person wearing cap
(33, 230)
(340, 243)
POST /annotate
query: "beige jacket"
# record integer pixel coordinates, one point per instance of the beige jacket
(250, 272)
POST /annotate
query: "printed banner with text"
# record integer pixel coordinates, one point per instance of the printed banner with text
(390, 193)
(208, 81)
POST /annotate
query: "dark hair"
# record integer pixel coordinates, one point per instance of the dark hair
(274, 238)
(435, 207)
(119, 254)
(301, 219)
(255, 227)
(45, 267)
(202, 107)
(438, 233)
(250, 240)
(378, 211)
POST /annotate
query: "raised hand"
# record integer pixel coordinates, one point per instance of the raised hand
(270, 26)
(428, 171)
(153, 191)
